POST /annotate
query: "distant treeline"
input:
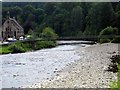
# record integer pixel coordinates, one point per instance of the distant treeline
(67, 19)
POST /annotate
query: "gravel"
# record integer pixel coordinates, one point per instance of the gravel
(87, 72)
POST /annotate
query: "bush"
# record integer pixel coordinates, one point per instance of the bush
(104, 41)
(118, 76)
(116, 39)
(44, 44)
(17, 47)
(107, 34)
(115, 67)
(115, 85)
(4, 50)
(27, 46)
(49, 34)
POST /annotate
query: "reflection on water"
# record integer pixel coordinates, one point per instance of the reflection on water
(29, 68)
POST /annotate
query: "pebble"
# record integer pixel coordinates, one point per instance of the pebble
(88, 72)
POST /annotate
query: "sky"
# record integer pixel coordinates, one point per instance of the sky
(59, 0)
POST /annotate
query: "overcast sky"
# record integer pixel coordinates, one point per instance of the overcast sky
(59, 0)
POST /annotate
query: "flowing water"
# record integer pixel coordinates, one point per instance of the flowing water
(25, 69)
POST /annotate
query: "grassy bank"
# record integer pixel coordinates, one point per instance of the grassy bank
(4, 50)
(20, 47)
(115, 67)
(115, 85)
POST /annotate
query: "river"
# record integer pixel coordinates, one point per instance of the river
(25, 69)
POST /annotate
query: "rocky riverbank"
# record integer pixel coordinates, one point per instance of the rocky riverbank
(87, 72)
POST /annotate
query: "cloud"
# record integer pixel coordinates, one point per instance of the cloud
(60, 0)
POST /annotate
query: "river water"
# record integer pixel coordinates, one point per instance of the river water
(25, 69)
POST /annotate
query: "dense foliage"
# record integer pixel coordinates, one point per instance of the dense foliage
(115, 67)
(17, 47)
(20, 47)
(108, 34)
(48, 33)
(67, 19)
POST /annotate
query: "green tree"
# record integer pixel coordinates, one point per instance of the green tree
(15, 11)
(77, 19)
(67, 19)
(29, 23)
(39, 15)
(118, 7)
(118, 16)
(118, 21)
(27, 10)
(30, 32)
(49, 34)
(85, 9)
(108, 33)
(100, 16)
(49, 8)
(58, 23)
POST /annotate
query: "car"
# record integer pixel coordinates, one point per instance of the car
(21, 38)
(11, 39)
(5, 43)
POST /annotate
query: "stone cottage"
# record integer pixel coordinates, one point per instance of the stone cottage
(11, 29)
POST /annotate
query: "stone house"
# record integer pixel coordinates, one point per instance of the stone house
(11, 29)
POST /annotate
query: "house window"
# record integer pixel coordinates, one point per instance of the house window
(8, 36)
(6, 29)
(8, 22)
(15, 34)
(2, 33)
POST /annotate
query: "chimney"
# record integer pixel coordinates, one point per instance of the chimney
(8, 15)
(13, 17)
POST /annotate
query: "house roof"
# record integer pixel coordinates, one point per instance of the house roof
(15, 23)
